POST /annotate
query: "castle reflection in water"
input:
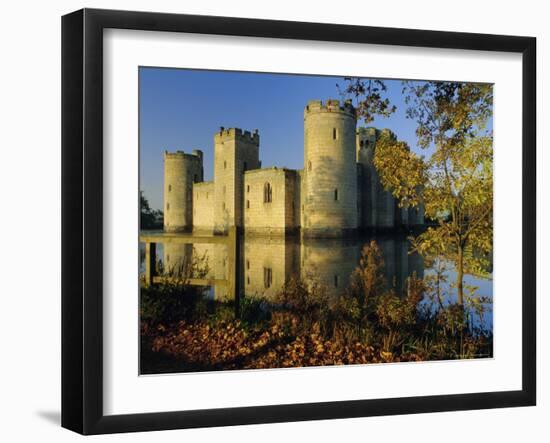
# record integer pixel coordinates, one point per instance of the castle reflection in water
(265, 264)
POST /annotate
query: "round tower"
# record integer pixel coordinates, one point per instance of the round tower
(330, 171)
(181, 170)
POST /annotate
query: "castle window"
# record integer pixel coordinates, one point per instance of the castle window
(224, 165)
(248, 204)
(248, 264)
(309, 165)
(268, 193)
(247, 188)
(334, 133)
(223, 206)
(335, 281)
(167, 206)
(336, 195)
(224, 190)
(247, 280)
(268, 277)
(361, 143)
(169, 188)
(207, 196)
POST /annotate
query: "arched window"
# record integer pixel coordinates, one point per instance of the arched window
(334, 133)
(268, 193)
(336, 195)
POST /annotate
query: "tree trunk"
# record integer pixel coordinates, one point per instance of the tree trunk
(460, 275)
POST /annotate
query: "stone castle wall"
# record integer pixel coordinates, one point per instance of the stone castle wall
(203, 206)
(269, 201)
(337, 192)
(235, 151)
(330, 175)
(378, 205)
(181, 170)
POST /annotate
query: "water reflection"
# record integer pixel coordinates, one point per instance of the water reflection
(265, 264)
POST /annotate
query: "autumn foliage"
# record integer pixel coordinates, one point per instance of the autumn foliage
(304, 326)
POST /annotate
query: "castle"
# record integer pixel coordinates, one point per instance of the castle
(337, 193)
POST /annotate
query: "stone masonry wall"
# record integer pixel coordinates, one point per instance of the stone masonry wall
(234, 152)
(330, 171)
(203, 206)
(269, 217)
(181, 170)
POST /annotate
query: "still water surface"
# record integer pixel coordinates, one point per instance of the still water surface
(266, 263)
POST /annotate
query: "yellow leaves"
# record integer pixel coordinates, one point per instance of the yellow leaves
(401, 172)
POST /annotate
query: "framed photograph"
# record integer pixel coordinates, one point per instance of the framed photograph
(269, 221)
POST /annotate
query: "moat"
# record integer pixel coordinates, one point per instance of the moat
(264, 264)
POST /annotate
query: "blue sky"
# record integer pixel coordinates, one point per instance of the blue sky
(182, 109)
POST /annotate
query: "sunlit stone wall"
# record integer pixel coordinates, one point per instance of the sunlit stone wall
(330, 172)
(269, 201)
(203, 207)
(181, 170)
(235, 151)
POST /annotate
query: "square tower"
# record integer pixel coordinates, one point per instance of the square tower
(235, 151)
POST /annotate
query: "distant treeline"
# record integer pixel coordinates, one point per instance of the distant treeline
(149, 218)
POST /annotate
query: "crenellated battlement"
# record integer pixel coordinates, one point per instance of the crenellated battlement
(237, 134)
(331, 105)
(369, 131)
(195, 156)
(337, 192)
(371, 134)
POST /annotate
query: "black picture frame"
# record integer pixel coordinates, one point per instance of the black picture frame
(82, 219)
